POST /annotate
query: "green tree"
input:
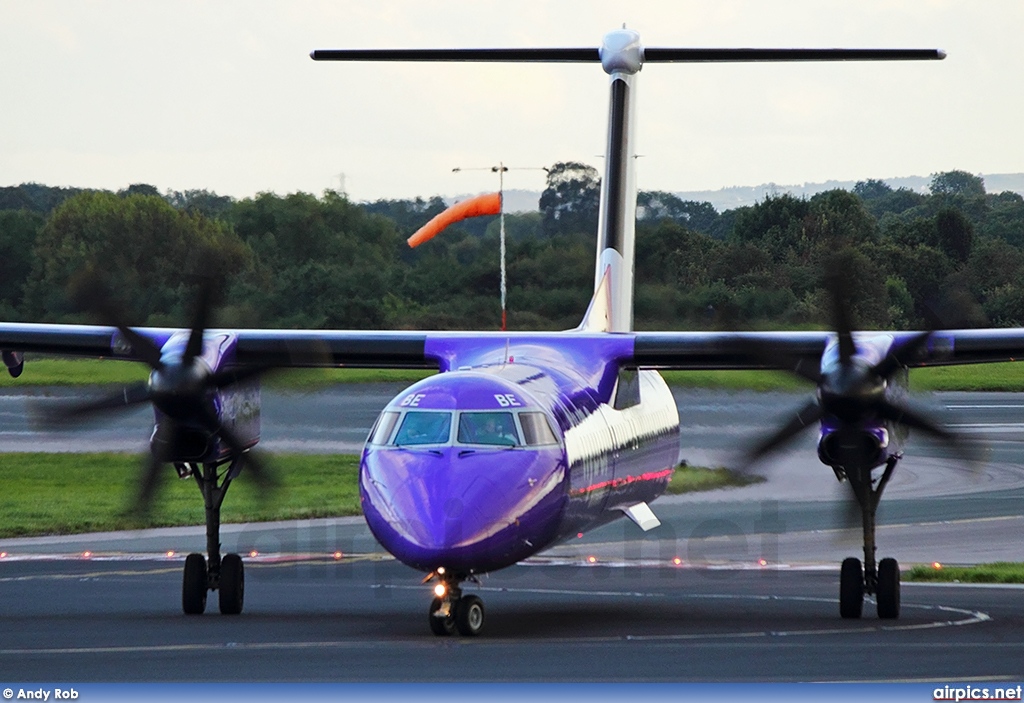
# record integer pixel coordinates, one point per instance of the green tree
(957, 183)
(658, 205)
(955, 234)
(149, 252)
(569, 203)
(18, 232)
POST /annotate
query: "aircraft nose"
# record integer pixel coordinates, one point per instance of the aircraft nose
(468, 510)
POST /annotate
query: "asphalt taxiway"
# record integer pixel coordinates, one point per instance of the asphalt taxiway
(364, 619)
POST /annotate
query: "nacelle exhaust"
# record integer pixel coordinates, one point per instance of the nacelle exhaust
(851, 447)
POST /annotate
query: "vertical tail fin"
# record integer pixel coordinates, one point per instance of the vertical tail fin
(611, 309)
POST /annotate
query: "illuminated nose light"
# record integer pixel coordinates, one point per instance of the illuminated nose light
(677, 561)
(591, 559)
(170, 553)
(936, 565)
(337, 556)
(254, 554)
(440, 590)
(86, 555)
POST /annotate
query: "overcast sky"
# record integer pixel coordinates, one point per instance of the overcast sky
(223, 95)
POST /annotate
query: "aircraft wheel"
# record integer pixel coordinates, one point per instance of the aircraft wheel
(851, 588)
(469, 616)
(232, 585)
(193, 586)
(888, 595)
(441, 625)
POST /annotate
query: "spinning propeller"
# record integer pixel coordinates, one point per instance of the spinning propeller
(850, 389)
(182, 389)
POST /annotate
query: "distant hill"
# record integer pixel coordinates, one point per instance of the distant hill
(740, 196)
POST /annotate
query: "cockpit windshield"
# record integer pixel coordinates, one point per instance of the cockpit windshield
(424, 428)
(500, 428)
(488, 428)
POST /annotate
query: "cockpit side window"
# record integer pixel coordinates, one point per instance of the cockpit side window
(498, 428)
(424, 428)
(536, 429)
(384, 427)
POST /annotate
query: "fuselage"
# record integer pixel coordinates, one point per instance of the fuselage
(480, 467)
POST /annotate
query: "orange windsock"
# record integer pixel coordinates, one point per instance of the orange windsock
(488, 204)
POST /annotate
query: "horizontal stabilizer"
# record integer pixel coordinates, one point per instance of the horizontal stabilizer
(513, 55)
(649, 54)
(642, 515)
(652, 54)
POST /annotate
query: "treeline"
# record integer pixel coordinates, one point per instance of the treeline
(954, 256)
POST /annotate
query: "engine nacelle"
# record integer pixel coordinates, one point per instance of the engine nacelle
(854, 447)
(14, 361)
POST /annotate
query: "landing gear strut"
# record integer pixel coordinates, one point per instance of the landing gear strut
(213, 573)
(882, 581)
(451, 611)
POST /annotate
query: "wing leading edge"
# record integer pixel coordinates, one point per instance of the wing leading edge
(745, 350)
(402, 349)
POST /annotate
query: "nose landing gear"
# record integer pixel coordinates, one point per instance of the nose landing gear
(451, 611)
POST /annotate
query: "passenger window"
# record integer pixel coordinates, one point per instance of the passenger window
(537, 429)
(424, 428)
(382, 430)
(488, 428)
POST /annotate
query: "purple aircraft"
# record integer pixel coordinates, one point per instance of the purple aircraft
(523, 440)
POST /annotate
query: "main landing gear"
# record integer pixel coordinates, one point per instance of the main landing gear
(224, 575)
(451, 611)
(855, 581)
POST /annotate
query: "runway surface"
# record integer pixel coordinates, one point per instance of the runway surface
(632, 615)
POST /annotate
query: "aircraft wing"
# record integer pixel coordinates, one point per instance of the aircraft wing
(284, 348)
(407, 349)
(778, 350)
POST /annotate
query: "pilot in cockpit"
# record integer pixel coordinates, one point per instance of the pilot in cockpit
(488, 428)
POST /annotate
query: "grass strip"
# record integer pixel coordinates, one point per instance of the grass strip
(690, 479)
(996, 572)
(46, 494)
(70, 493)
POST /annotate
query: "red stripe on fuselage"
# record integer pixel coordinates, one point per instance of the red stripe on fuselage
(617, 482)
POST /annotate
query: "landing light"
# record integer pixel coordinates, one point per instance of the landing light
(253, 554)
(762, 561)
(440, 570)
(592, 559)
(170, 553)
(440, 590)
(936, 565)
(3, 555)
(337, 556)
(86, 555)
(677, 561)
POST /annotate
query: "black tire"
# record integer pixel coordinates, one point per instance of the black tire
(851, 589)
(232, 585)
(888, 595)
(469, 616)
(193, 585)
(441, 626)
